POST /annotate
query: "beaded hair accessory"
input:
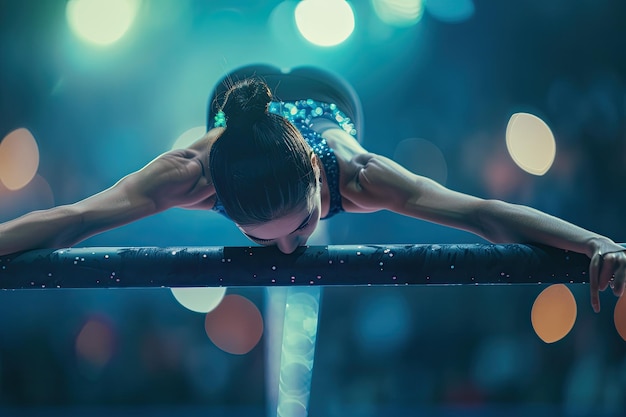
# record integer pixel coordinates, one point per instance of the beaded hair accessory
(220, 119)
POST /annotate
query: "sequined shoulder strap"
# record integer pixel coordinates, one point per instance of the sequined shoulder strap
(301, 113)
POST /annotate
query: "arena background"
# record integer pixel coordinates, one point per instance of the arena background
(439, 81)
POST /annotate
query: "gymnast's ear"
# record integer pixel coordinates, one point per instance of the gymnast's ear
(316, 163)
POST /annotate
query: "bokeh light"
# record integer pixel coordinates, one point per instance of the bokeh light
(291, 408)
(95, 342)
(530, 143)
(189, 137)
(325, 22)
(19, 159)
(36, 195)
(502, 178)
(554, 313)
(451, 11)
(298, 350)
(301, 313)
(101, 22)
(400, 13)
(282, 23)
(235, 326)
(384, 324)
(199, 299)
(423, 158)
(619, 316)
(504, 360)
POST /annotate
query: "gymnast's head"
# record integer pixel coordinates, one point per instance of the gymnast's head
(265, 174)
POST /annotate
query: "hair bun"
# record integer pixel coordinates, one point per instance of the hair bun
(246, 102)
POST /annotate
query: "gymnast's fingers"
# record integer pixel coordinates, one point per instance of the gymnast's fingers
(607, 268)
(619, 279)
(594, 276)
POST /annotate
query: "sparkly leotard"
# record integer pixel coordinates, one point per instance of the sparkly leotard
(301, 113)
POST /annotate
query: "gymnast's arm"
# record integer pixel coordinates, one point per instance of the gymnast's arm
(380, 183)
(173, 179)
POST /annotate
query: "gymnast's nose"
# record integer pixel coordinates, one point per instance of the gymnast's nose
(289, 244)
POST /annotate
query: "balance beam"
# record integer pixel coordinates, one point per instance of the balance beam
(347, 265)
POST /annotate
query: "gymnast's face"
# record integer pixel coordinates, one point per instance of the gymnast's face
(289, 231)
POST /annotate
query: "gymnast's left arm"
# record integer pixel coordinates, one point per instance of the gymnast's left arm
(380, 183)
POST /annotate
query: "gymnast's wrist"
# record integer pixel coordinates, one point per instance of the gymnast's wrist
(601, 244)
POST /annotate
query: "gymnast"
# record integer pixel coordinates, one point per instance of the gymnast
(275, 168)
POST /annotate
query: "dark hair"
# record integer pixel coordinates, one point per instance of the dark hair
(261, 165)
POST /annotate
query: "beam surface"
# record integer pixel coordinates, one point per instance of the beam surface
(414, 264)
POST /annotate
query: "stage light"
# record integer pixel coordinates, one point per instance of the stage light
(200, 299)
(235, 326)
(298, 351)
(324, 22)
(101, 22)
(400, 13)
(19, 159)
(95, 342)
(554, 313)
(530, 143)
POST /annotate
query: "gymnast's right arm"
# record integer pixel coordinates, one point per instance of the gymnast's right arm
(173, 179)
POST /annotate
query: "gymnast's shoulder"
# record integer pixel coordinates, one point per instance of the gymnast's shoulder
(352, 159)
(371, 182)
(180, 177)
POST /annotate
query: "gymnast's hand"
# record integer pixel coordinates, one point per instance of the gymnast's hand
(607, 269)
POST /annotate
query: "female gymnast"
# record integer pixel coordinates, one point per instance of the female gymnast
(276, 168)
